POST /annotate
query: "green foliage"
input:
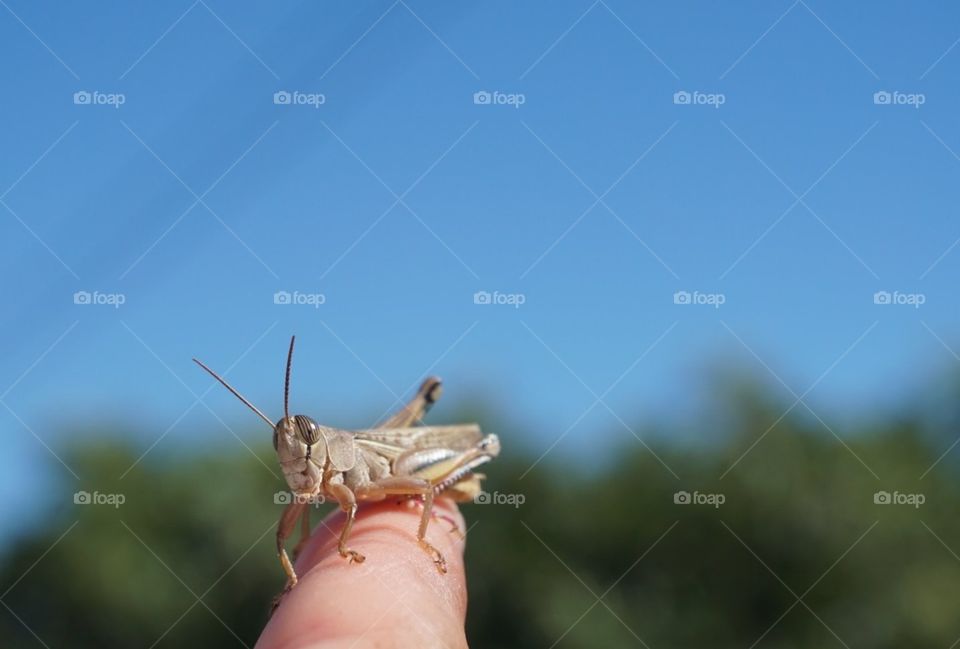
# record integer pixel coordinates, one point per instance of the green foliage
(597, 555)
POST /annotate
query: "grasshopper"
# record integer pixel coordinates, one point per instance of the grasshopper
(398, 457)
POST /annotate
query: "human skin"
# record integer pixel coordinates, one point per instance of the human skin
(395, 598)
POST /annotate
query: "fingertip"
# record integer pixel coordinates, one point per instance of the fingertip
(396, 596)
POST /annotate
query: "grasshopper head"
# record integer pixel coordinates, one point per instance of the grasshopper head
(305, 448)
(301, 447)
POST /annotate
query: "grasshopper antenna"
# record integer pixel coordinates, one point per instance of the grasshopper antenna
(286, 383)
(235, 393)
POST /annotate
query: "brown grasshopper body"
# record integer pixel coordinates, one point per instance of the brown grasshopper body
(398, 458)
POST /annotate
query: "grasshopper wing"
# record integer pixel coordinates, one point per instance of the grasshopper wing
(393, 442)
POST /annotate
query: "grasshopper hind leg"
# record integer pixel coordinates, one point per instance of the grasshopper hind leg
(418, 502)
(409, 486)
(413, 413)
(438, 559)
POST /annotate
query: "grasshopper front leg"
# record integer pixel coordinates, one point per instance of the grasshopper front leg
(348, 503)
(304, 532)
(288, 520)
(408, 486)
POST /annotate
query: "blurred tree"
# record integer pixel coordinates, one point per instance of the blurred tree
(797, 555)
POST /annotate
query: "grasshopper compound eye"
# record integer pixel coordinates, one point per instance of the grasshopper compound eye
(306, 429)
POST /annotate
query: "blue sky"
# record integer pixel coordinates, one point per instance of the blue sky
(390, 192)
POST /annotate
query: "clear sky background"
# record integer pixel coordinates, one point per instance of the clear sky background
(398, 198)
